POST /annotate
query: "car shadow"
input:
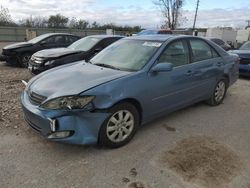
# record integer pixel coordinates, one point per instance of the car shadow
(244, 78)
(15, 65)
(159, 121)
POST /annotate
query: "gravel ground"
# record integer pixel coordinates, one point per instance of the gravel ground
(200, 146)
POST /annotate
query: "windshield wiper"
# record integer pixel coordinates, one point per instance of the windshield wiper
(106, 66)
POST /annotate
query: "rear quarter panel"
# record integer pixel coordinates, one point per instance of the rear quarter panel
(231, 67)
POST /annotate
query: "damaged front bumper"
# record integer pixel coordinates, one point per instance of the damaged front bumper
(74, 127)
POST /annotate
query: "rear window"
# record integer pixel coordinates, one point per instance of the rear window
(165, 32)
(71, 39)
(85, 43)
(218, 41)
(201, 50)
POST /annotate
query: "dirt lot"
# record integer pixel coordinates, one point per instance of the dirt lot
(199, 146)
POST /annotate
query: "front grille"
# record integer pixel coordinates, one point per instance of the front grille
(36, 99)
(7, 52)
(245, 61)
(33, 126)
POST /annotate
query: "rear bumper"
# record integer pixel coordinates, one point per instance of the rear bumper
(244, 70)
(83, 125)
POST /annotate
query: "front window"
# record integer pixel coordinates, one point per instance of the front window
(38, 39)
(176, 53)
(130, 55)
(245, 46)
(84, 44)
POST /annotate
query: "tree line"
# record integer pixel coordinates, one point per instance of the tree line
(171, 11)
(59, 21)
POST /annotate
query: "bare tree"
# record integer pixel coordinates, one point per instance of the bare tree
(171, 11)
(78, 24)
(34, 22)
(5, 17)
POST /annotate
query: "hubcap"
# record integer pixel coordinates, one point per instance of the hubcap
(25, 60)
(120, 126)
(220, 91)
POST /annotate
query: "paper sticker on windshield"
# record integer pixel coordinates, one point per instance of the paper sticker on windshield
(152, 44)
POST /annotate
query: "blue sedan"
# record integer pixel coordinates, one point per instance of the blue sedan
(131, 82)
(244, 54)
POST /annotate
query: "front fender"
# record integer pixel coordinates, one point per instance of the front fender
(111, 93)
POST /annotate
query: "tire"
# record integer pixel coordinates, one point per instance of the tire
(24, 60)
(219, 92)
(124, 116)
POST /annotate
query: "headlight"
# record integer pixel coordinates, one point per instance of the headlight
(49, 62)
(69, 102)
(36, 60)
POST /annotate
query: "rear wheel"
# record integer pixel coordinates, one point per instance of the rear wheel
(120, 127)
(219, 93)
(24, 60)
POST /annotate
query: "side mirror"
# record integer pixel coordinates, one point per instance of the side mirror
(162, 67)
(43, 42)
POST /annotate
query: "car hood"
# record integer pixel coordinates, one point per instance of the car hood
(55, 52)
(72, 79)
(17, 45)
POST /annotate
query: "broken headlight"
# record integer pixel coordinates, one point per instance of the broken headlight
(68, 102)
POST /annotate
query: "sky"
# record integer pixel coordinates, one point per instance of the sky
(212, 13)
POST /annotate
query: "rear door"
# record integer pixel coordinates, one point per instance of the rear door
(55, 41)
(206, 65)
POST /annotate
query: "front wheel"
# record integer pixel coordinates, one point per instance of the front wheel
(24, 60)
(120, 127)
(219, 93)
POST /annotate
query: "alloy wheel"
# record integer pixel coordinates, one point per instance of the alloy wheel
(220, 91)
(25, 60)
(120, 126)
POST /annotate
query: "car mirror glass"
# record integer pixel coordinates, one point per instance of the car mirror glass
(163, 67)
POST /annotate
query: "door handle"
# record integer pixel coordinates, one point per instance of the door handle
(189, 73)
(198, 73)
(219, 64)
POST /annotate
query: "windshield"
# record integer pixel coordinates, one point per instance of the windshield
(147, 32)
(84, 44)
(245, 46)
(39, 38)
(130, 55)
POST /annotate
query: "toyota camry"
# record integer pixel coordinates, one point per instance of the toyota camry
(129, 83)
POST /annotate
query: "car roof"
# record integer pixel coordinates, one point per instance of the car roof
(157, 37)
(211, 38)
(51, 34)
(105, 36)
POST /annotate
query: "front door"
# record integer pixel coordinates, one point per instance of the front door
(168, 91)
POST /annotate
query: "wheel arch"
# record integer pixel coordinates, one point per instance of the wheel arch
(226, 76)
(135, 103)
